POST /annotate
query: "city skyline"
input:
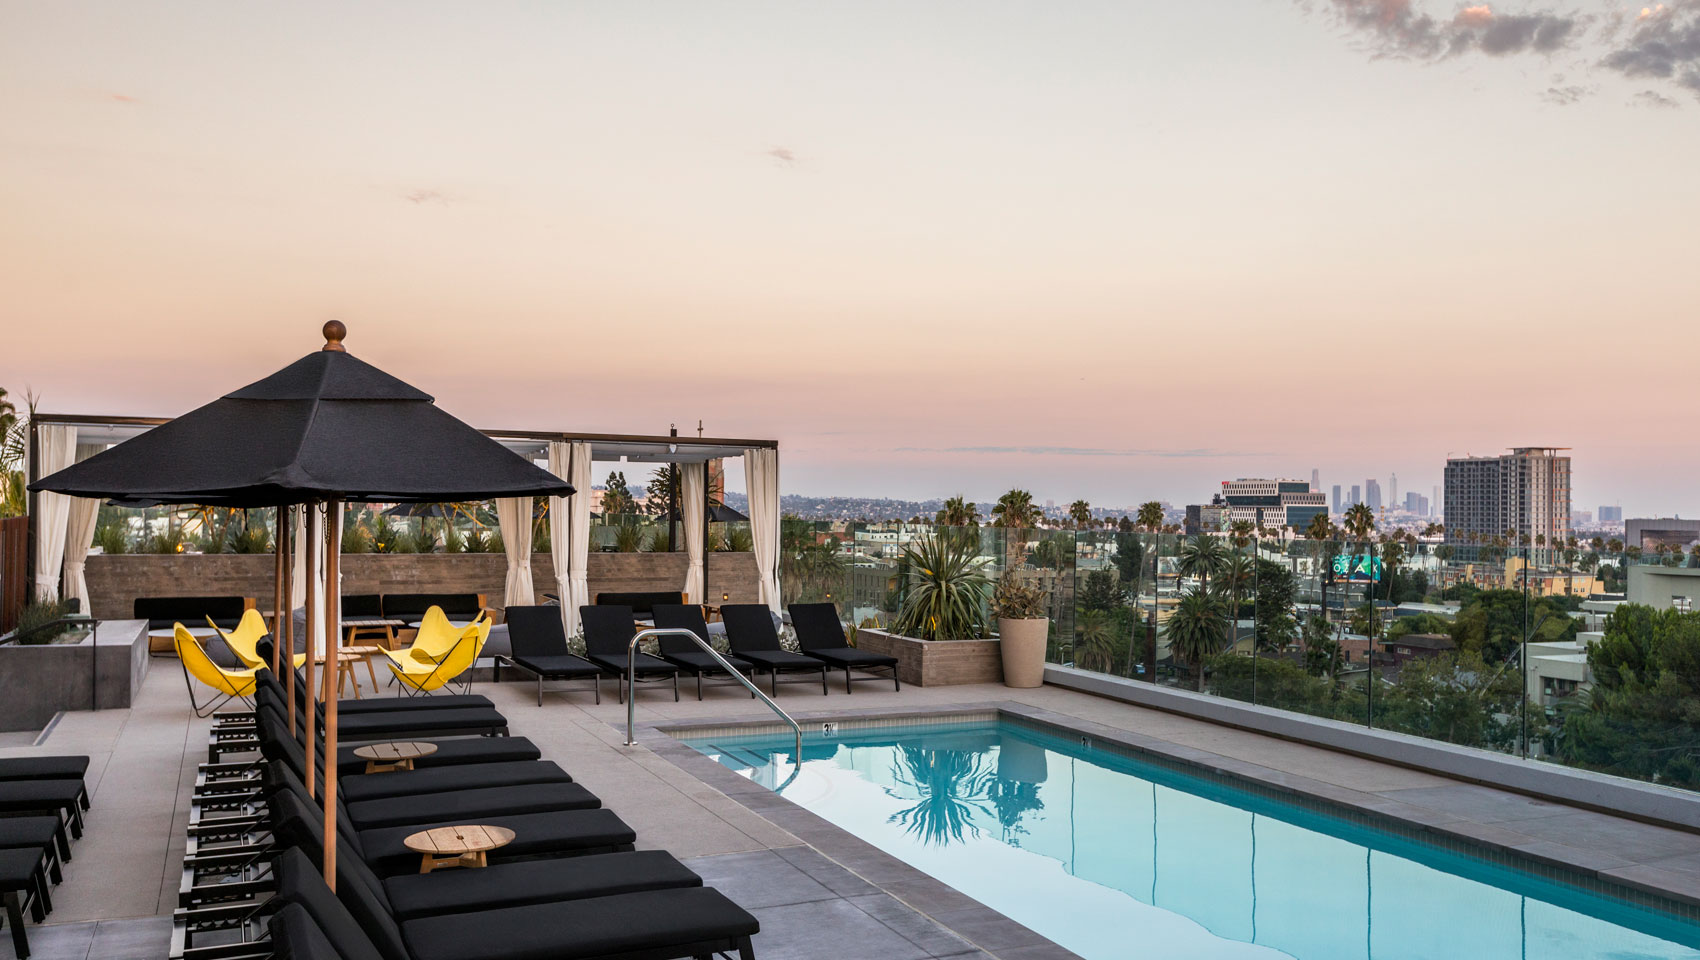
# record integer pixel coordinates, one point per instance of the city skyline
(804, 250)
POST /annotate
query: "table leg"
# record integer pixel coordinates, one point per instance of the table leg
(371, 673)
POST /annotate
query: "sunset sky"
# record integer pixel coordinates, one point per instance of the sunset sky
(1105, 250)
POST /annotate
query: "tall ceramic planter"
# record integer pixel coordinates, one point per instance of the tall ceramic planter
(1023, 645)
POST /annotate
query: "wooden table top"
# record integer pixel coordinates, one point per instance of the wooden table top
(457, 841)
(360, 651)
(373, 623)
(395, 750)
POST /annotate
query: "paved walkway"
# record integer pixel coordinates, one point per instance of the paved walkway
(143, 762)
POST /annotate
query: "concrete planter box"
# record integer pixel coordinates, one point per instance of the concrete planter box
(37, 682)
(937, 663)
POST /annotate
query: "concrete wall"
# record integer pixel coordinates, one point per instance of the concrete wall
(37, 682)
(1655, 586)
(116, 581)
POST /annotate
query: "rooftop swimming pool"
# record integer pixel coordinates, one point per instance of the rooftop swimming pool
(1113, 856)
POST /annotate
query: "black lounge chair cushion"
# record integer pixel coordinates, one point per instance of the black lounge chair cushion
(697, 661)
(43, 768)
(162, 612)
(372, 726)
(535, 834)
(39, 794)
(559, 666)
(18, 867)
(640, 602)
(535, 881)
(296, 937)
(645, 664)
(582, 929)
(466, 776)
(851, 657)
(28, 832)
(452, 752)
(446, 701)
(781, 660)
(470, 806)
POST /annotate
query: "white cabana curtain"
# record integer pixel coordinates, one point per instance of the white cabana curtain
(692, 484)
(298, 560)
(513, 518)
(79, 536)
(761, 476)
(57, 449)
(569, 531)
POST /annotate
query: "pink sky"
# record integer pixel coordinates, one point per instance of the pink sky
(1108, 250)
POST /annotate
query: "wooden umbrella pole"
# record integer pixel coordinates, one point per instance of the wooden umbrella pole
(333, 637)
(289, 626)
(312, 537)
(280, 547)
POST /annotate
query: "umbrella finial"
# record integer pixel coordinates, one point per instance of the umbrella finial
(334, 332)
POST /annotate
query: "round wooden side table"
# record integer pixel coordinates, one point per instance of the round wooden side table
(394, 755)
(463, 846)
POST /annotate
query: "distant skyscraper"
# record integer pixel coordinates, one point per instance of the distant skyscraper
(1336, 498)
(1357, 496)
(1611, 514)
(1525, 492)
(1372, 493)
(1316, 479)
(1393, 489)
(1434, 504)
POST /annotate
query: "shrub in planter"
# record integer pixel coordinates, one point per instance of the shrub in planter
(947, 592)
(1022, 627)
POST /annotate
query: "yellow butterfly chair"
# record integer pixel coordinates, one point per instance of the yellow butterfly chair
(422, 678)
(230, 684)
(245, 639)
(436, 637)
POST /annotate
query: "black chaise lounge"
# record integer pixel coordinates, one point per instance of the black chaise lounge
(350, 707)
(513, 884)
(543, 834)
(651, 925)
(820, 634)
(23, 882)
(397, 724)
(750, 632)
(61, 798)
(539, 643)
(608, 631)
(684, 654)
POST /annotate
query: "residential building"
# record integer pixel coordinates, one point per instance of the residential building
(1650, 533)
(1611, 514)
(1525, 492)
(1415, 646)
(1372, 494)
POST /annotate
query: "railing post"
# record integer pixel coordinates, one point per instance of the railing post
(631, 682)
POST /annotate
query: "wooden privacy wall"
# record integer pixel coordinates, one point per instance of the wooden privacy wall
(14, 587)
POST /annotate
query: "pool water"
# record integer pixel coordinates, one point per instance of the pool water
(1115, 857)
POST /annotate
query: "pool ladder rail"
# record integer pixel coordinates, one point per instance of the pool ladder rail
(631, 686)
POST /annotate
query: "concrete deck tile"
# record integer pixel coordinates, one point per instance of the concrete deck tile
(828, 928)
(1479, 803)
(1633, 841)
(912, 926)
(759, 879)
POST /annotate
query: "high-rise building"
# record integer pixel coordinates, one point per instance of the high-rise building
(1272, 503)
(1357, 496)
(1315, 480)
(1372, 493)
(1392, 489)
(1525, 492)
(1337, 498)
(1435, 504)
(1611, 514)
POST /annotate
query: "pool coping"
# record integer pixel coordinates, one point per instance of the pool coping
(1657, 889)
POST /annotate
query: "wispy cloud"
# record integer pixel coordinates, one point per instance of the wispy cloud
(784, 156)
(1663, 42)
(417, 197)
(1395, 28)
(123, 98)
(1565, 96)
(1653, 99)
(1051, 451)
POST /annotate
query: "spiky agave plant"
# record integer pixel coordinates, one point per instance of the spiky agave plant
(947, 591)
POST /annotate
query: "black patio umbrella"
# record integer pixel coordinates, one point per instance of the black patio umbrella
(324, 429)
(717, 513)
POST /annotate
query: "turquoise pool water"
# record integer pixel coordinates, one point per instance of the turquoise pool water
(1114, 857)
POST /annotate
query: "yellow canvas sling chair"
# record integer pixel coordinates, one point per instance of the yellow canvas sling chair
(436, 637)
(422, 678)
(228, 684)
(244, 641)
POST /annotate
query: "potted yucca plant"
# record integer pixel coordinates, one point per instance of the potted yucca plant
(1023, 627)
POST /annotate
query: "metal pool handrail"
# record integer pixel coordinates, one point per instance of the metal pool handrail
(631, 682)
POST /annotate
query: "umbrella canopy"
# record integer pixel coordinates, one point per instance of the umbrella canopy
(717, 513)
(328, 426)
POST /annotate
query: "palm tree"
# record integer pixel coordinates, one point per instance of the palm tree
(1318, 534)
(1095, 649)
(1195, 630)
(1080, 512)
(1202, 556)
(1240, 532)
(1016, 509)
(1392, 554)
(1236, 577)
(958, 512)
(1150, 516)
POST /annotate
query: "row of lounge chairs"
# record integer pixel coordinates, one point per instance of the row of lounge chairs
(42, 800)
(570, 886)
(540, 646)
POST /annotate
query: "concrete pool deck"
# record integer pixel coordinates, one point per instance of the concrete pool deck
(143, 763)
